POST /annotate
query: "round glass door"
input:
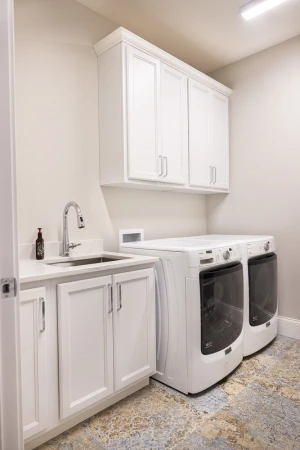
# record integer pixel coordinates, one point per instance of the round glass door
(262, 272)
(222, 299)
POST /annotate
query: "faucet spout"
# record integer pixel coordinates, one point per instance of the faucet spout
(80, 224)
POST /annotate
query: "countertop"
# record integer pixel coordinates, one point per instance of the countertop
(33, 270)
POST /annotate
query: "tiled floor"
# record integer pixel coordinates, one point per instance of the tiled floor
(256, 407)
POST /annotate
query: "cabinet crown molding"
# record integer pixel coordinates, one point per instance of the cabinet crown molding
(127, 37)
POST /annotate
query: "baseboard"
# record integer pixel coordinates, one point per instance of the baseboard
(289, 327)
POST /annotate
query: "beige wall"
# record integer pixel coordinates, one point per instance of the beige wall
(265, 159)
(57, 135)
(57, 144)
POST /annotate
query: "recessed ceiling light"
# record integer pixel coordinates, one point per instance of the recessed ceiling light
(257, 7)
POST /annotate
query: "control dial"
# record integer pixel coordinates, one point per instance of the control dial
(226, 254)
(267, 246)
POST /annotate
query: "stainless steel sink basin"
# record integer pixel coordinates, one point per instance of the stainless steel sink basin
(87, 261)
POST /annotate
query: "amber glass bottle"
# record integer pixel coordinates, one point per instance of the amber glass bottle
(39, 245)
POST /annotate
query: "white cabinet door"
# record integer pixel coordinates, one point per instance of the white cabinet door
(85, 344)
(134, 326)
(142, 110)
(200, 159)
(33, 335)
(174, 126)
(219, 139)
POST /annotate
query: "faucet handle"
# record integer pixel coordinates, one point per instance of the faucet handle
(73, 245)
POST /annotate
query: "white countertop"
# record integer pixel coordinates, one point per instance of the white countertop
(33, 270)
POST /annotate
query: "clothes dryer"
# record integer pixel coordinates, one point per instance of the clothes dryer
(260, 287)
(199, 310)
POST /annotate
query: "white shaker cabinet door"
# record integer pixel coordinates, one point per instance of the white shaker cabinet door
(200, 159)
(134, 326)
(174, 126)
(219, 140)
(142, 115)
(33, 335)
(85, 343)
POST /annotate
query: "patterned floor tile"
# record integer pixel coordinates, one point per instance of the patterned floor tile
(257, 407)
(293, 354)
(152, 415)
(203, 404)
(244, 374)
(283, 379)
(74, 439)
(195, 441)
(46, 447)
(278, 347)
(265, 415)
(232, 434)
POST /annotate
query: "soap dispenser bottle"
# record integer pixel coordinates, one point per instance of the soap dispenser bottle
(39, 245)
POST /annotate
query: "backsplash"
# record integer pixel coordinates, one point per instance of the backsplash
(54, 249)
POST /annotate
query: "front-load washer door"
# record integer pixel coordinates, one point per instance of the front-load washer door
(262, 271)
(222, 302)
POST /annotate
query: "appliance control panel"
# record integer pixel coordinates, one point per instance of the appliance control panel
(220, 255)
(207, 257)
(228, 254)
(260, 247)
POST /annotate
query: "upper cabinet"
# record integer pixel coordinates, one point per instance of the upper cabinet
(219, 139)
(200, 157)
(208, 137)
(174, 126)
(163, 124)
(142, 115)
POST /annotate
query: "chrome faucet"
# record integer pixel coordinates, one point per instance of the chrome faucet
(80, 222)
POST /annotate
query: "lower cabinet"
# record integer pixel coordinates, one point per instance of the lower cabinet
(85, 343)
(33, 335)
(106, 337)
(134, 327)
(105, 342)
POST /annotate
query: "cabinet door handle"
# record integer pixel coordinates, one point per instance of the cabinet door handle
(119, 296)
(211, 174)
(215, 175)
(110, 297)
(166, 165)
(42, 309)
(160, 164)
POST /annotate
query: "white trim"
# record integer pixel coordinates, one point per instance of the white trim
(289, 327)
(123, 35)
(11, 432)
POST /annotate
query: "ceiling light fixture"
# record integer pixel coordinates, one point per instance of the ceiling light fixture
(257, 7)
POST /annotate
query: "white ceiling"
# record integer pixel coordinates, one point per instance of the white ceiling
(206, 34)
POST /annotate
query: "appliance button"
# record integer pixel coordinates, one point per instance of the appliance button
(226, 254)
(267, 246)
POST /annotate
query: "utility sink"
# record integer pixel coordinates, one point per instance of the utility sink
(86, 261)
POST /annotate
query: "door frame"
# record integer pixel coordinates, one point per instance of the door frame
(11, 427)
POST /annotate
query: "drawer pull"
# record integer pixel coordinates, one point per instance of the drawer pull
(119, 296)
(43, 321)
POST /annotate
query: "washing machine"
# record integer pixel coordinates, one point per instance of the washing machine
(199, 310)
(260, 287)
